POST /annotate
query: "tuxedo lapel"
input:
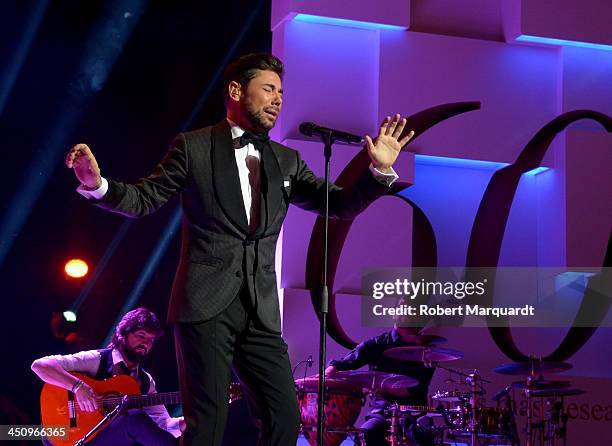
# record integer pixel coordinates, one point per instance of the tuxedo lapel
(225, 176)
(271, 187)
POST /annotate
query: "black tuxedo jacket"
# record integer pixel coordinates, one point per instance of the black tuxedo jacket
(218, 253)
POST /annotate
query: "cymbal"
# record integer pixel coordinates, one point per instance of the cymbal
(540, 384)
(556, 392)
(396, 386)
(453, 396)
(422, 339)
(423, 354)
(532, 368)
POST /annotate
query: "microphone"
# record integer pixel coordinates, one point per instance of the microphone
(311, 129)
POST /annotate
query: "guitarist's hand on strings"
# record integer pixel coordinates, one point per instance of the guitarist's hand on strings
(87, 398)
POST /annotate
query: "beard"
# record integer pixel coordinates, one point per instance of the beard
(257, 118)
(133, 355)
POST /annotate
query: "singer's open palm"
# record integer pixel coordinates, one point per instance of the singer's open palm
(385, 149)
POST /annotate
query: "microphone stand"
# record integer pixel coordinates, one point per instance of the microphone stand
(104, 421)
(327, 151)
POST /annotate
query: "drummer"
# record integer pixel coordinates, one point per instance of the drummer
(371, 353)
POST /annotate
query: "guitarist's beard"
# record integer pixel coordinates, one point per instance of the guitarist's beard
(134, 355)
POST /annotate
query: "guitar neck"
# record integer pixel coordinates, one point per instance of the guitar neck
(140, 401)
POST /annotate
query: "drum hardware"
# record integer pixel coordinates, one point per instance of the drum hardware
(453, 396)
(550, 424)
(402, 417)
(504, 399)
(468, 419)
(533, 369)
(475, 420)
(307, 364)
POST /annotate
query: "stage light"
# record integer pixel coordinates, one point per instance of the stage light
(562, 42)
(69, 316)
(537, 171)
(76, 268)
(470, 163)
(346, 23)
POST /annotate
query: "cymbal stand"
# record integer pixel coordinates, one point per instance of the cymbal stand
(394, 428)
(464, 375)
(532, 428)
(474, 424)
(557, 423)
(563, 427)
(510, 405)
(542, 424)
(529, 425)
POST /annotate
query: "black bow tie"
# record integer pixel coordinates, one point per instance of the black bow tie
(259, 140)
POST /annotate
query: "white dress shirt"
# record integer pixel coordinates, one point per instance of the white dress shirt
(88, 362)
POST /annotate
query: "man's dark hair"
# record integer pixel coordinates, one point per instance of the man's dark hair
(245, 68)
(138, 319)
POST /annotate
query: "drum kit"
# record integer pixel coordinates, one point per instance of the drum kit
(546, 422)
(453, 417)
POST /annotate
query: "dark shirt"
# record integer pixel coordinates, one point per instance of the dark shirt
(371, 353)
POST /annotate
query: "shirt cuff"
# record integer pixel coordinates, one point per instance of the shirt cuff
(385, 178)
(174, 426)
(96, 194)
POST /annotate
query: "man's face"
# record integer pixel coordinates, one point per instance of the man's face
(261, 101)
(138, 345)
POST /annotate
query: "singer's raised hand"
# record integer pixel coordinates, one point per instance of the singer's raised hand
(81, 159)
(385, 149)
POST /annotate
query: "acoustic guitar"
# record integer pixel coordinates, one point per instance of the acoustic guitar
(58, 406)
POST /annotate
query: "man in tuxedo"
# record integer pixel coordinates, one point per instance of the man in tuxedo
(235, 187)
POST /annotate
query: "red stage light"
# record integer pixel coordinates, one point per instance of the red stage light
(76, 268)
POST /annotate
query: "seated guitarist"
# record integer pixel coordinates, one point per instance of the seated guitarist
(132, 342)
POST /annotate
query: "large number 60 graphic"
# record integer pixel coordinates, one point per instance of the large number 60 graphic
(486, 236)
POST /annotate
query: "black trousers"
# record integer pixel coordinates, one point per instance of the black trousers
(207, 351)
(134, 428)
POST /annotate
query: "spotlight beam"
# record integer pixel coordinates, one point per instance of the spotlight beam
(147, 271)
(18, 57)
(102, 49)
